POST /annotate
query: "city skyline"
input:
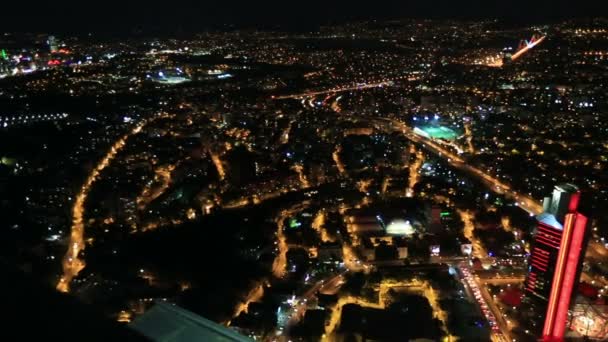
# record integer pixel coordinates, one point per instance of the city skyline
(346, 176)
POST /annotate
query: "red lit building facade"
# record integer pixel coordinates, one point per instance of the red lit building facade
(556, 258)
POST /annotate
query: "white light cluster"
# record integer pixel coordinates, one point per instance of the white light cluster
(7, 121)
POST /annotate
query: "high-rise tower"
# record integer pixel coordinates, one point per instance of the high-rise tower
(556, 258)
(53, 44)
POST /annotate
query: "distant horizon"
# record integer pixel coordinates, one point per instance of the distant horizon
(191, 16)
(187, 32)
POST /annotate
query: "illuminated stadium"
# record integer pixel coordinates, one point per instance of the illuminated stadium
(171, 76)
(436, 132)
(400, 227)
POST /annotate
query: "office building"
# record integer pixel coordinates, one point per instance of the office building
(556, 259)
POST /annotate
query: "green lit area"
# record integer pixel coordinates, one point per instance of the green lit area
(7, 161)
(3, 54)
(293, 223)
(436, 132)
(445, 213)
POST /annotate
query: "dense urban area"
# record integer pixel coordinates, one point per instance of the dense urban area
(376, 180)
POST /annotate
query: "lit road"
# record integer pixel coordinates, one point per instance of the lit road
(215, 158)
(279, 264)
(336, 157)
(333, 90)
(501, 328)
(285, 134)
(415, 285)
(469, 136)
(254, 295)
(504, 325)
(596, 250)
(162, 177)
(360, 86)
(299, 169)
(336, 313)
(318, 224)
(72, 264)
(332, 286)
(335, 105)
(502, 280)
(329, 285)
(351, 262)
(499, 332)
(469, 226)
(414, 170)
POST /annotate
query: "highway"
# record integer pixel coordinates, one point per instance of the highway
(499, 331)
(502, 280)
(332, 90)
(373, 84)
(504, 325)
(496, 185)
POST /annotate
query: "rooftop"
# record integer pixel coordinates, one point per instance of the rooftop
(169, 323)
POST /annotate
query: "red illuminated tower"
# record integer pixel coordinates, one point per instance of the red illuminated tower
(556, 258)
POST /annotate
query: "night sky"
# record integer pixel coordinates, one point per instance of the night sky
(189, 15)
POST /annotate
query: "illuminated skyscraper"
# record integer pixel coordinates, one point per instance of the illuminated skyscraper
(53, 44)
(556, 259)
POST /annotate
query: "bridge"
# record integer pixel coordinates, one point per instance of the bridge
(525, 46)
(522, 49)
